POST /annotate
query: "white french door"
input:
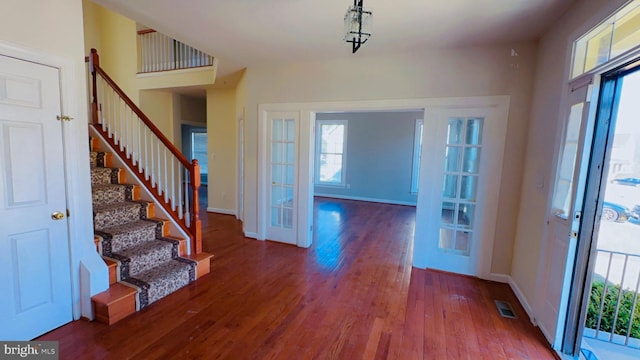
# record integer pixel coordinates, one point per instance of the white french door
(34, 236)
(281, 172)
(556, 268)
(458, 190)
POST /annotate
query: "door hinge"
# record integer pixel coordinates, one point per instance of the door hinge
(64, 117)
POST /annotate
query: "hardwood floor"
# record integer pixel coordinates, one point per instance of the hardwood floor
(352, 295)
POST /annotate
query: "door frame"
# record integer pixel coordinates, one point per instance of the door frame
(599, 155)
(85, 261)
(565, 340)
(240, 166)
(429, 203)
(554, 335)
(306, 156)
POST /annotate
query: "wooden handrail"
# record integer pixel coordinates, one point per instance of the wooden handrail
(146, 31)
(136, 109)
(194, 227)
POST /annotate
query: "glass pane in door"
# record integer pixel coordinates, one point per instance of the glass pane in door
(564, 178)
(460, 184)
(282, 170)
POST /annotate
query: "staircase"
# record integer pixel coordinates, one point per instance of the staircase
(145, 262)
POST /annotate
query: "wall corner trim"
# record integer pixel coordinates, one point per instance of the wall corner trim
(523, 300)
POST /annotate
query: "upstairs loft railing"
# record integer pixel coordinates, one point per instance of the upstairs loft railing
(158, 52)
(171, 178)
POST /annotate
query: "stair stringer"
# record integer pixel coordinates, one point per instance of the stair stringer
(145, 194)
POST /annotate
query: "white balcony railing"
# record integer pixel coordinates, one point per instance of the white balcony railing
(158, 52)
(613, 314)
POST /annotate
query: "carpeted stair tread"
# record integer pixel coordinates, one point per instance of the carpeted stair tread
(118, 238)
(114, 214)
(112, 193)
(104, 175)
(163, 279)
(147, 255)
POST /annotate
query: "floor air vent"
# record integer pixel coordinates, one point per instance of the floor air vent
(505, 309)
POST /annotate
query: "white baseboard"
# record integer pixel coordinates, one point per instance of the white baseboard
(221, 211)
(360, 198)
(501, 278)
(506, 279)
(251, 235)
(523, 300)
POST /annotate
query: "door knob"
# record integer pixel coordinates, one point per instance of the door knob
(57, 215)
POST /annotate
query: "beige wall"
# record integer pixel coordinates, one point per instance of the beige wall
(158, 105)
(52, 31)
(221, 133)
(551, 80)
(114, 36)
(443, 73)
(92, 24)
(193, 110)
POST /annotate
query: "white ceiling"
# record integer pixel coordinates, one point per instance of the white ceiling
(245, 33)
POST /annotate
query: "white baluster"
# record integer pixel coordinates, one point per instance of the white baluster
(153, 169)
(166, 175)
(146, 154)
(187, 188)
(173, 182)
(139, 144)
(159, 167)
(180, 209)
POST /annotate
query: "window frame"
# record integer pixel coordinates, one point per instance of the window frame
(318, 152)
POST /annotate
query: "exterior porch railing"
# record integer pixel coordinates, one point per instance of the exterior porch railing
(159, 52)
(613, 313)
(171, 178)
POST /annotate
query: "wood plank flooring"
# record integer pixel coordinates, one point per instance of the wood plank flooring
(352, 295)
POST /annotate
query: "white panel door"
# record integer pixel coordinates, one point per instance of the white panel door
(554, 278)
(459, 186)
(282, 202)
(34, 244)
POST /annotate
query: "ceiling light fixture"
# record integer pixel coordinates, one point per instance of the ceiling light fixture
(357, 25)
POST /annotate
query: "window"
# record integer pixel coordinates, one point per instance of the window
(613, 37)
(331, 139)
(564, 182)
(417, 149)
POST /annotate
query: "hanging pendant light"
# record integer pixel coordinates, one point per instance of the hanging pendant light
(357, 25)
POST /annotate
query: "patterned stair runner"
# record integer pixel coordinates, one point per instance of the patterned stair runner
(147, 259)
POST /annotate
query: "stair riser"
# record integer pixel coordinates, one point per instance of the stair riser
(164, 251)
(100, 159)
(120, 242)
(102, 176)
(167, 285)
(114, 194)
(114, 217)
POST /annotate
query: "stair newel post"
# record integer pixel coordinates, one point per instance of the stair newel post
(196, 224)
(94, 60)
